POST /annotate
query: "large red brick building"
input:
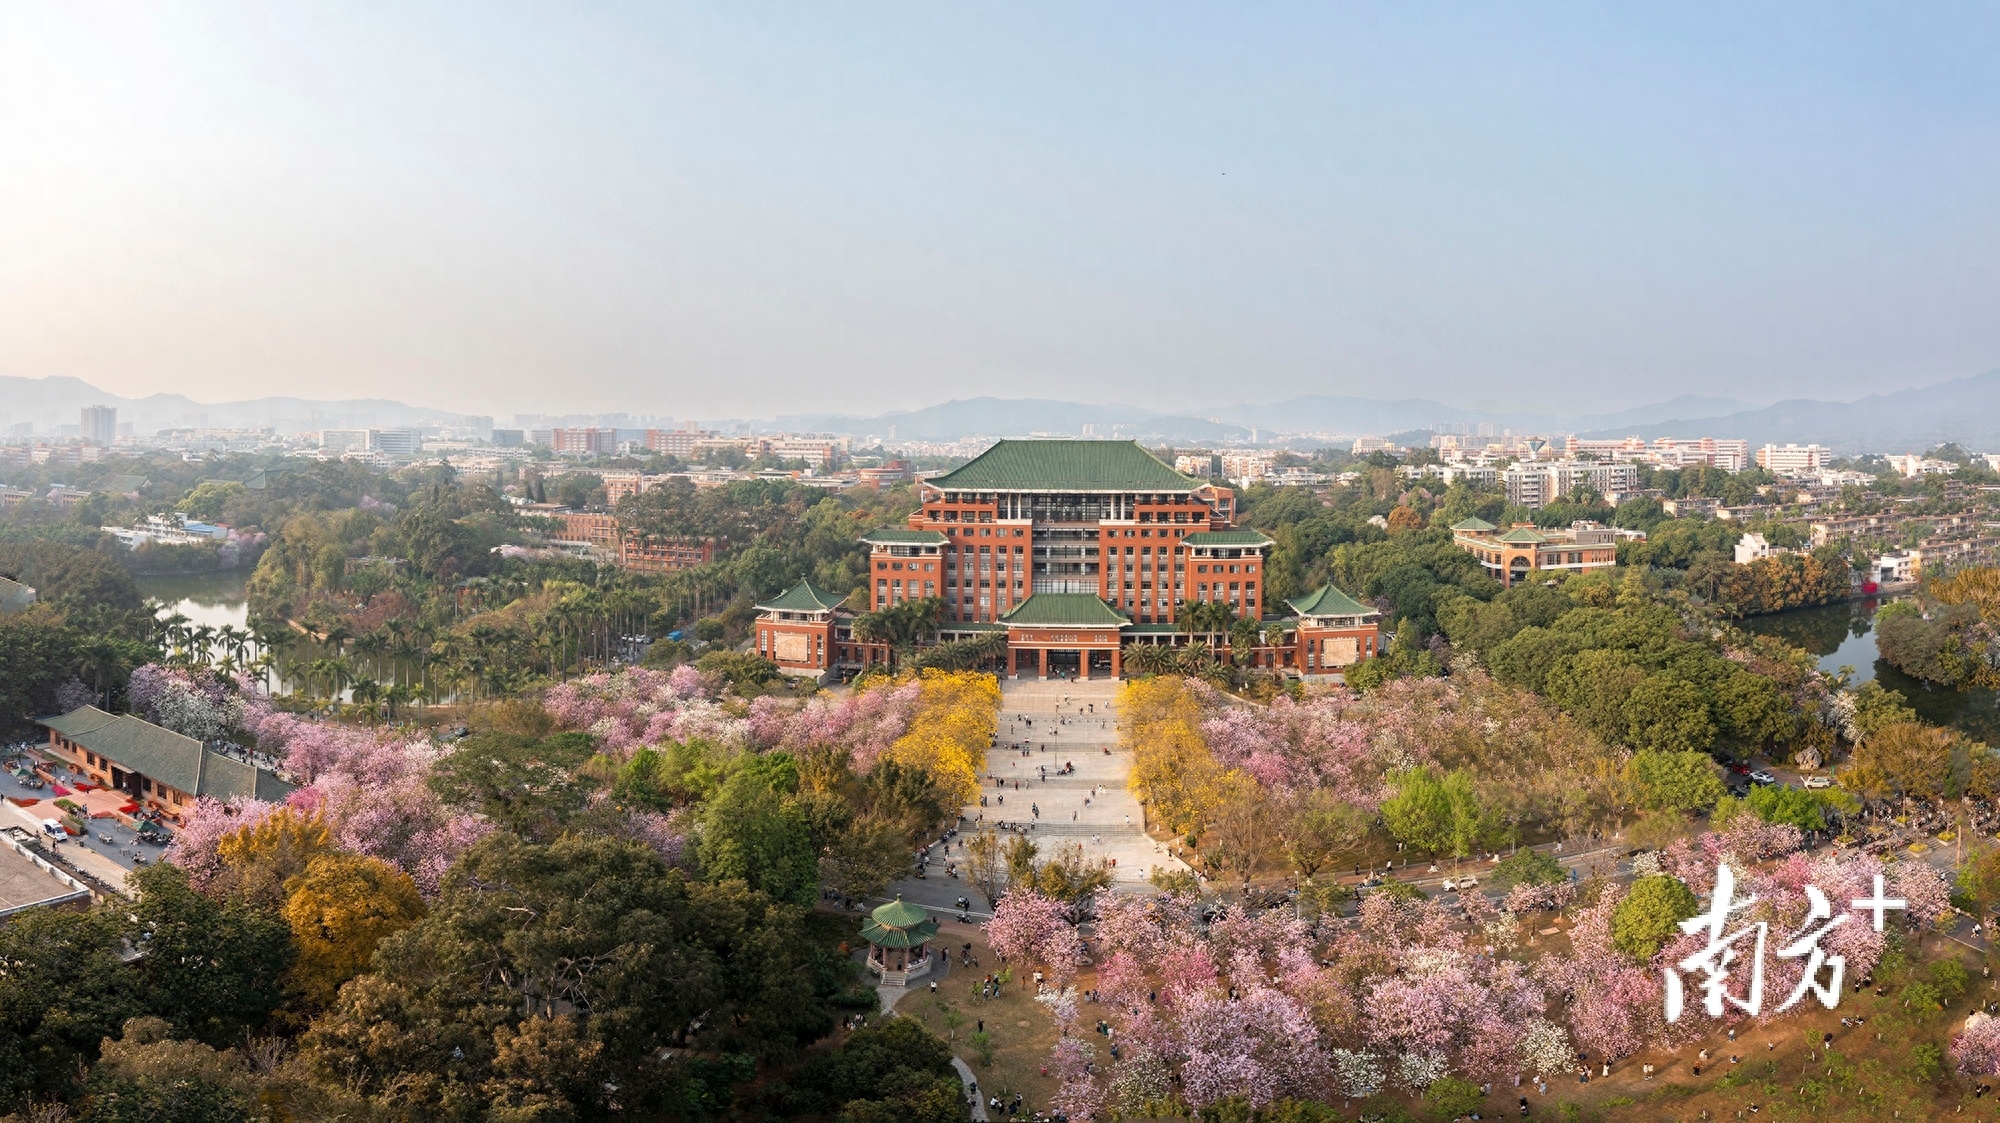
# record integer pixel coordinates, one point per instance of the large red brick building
(1076, 549)
(634, 551)
(1105, 518)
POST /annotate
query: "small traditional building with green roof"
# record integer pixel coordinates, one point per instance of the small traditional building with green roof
(1335, 631)
(1525, 549)
(899, 935)
(796, 630)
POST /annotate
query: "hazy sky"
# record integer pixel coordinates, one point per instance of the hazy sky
(750, 209)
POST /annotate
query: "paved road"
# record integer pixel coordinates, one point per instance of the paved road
(972, 1092)
(1045, 727)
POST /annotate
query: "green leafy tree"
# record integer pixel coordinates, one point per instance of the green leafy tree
(147, 1076)
(64, 988)
(1668, 714)
(890, 1072)
(1435, 814)
(214, 970)
(526, 784)
(752, 833)
(1526, 867)
(523, 934)
(1650, 914)
(1676, 781)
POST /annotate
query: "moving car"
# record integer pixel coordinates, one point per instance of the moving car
(1818, 781)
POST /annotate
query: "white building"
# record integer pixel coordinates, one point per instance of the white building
(1539, 484)
(1912, 466)
(1752, 546)
(1728, 454)
(343, 440)
(1789, 459)
(395, 442)
(1898, 568)
(167, 530)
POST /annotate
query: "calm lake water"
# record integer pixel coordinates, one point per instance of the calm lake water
(1843, 635)
(213, 599)
(216, 599)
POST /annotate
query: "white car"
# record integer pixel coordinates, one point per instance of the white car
(1818, 781)
(1762, 777)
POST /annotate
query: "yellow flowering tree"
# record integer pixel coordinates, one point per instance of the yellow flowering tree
(958, 713)
(1173, 772)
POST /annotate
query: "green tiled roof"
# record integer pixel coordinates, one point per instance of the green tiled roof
(166, 757)
(900, 914)
(903, 536)
(120, 485)
(1065, 466)
(899, 924)
(1328, 601)
(1063, 610)
(1474, 525)
(802, 597)
(1521, 536)
(1228, 538)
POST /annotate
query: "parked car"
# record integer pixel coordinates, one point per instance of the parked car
(1818, 781)
(1762, 777)
(1740, 769)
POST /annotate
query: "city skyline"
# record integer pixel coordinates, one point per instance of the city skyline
(702, 212)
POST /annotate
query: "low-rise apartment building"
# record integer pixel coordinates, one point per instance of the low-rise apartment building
(1791, 459)
(1539, 484)
(602, 533)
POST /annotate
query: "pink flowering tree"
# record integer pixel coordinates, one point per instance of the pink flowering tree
(194, 848)
(634, 706)
(1078, 1092)
(194, 703)
(1030, 927)
(1976, 1047)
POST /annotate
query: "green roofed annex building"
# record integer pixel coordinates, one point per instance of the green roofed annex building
(1074, 549)
(159, 769)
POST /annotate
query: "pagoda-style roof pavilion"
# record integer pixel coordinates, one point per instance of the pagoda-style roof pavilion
(898, 936)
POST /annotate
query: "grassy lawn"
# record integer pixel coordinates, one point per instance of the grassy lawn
(1017, 1025)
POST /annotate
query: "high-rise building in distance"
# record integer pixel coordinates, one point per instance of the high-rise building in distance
(100, 424)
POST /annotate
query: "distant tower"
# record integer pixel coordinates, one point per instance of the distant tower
(100, 424)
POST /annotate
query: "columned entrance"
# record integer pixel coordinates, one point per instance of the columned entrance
(1070, 636)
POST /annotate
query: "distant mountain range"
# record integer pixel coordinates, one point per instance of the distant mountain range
(48, 402)
(1966, 410)
(1331, 415)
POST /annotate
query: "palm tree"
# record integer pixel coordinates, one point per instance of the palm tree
(337, 636)
(175, 629)
(398, 694)
(200, 640)
(1145, 658)
(366, 693)
(1243, 636)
